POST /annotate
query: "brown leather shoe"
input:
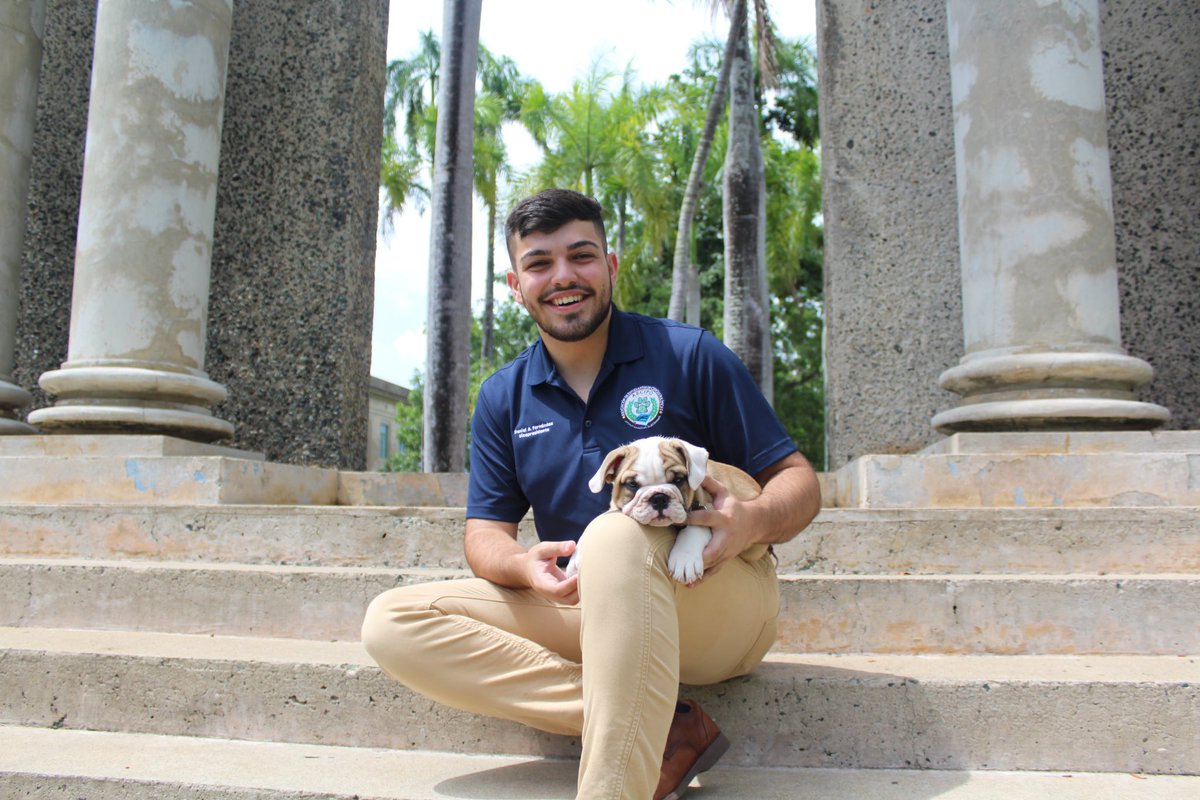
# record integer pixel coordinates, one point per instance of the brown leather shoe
(694, 745)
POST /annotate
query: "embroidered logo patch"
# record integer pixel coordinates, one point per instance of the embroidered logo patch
(642, 407)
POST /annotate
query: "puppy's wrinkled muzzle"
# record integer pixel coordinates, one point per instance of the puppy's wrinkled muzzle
(657, 505)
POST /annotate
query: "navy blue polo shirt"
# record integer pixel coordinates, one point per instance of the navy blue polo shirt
(535, 443)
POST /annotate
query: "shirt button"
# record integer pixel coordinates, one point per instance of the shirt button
(587, 423)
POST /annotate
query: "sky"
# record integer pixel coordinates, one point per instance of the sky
(550, 40)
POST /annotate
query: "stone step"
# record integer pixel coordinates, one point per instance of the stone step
(1046, 469)
(168, 480)
(1084, 713)
(61, 764)
(1033, 614)
(864, 541)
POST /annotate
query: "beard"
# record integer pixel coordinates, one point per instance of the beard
(573, 327)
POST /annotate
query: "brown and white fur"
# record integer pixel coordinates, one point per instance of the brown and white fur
(656, 481)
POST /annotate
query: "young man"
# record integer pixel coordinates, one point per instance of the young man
(600, 654)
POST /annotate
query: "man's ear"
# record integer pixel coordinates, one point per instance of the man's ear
(514, 286)
(612, 267)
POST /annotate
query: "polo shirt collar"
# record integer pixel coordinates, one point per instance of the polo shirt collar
(624, 345)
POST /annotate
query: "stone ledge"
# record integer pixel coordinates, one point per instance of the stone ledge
(112, 445)
(162, 480)
(1040, 470)
(900, 614)
(1067, 442)
(439, 489)
(63, 764)
(1132, 713)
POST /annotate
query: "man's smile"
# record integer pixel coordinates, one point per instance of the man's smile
(566, 300)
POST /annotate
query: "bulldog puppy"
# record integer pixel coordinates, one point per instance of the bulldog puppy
(656, 481)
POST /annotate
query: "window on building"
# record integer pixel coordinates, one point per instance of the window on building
(385, 438)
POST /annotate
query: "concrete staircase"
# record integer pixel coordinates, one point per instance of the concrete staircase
(206, 650)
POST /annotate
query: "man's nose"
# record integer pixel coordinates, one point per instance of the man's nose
(562, 271)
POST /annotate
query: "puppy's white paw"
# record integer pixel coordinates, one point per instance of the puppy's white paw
(573, 564)
(686, 559)
(685, 567)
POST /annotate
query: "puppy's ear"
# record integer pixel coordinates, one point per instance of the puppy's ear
(697, 461)
(608, 470)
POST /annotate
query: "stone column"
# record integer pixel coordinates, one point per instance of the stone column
(143, 256)
(22, 23)
(1041, 320)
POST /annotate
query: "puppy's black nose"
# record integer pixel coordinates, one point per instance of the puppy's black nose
(659, 501)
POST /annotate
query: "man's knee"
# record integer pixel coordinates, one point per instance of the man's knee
(614, 539)
(383, 629)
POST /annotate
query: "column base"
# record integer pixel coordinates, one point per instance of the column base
(13, 397)
(1069, 390)
(189, 424)
(1052, 414)
(98, 399)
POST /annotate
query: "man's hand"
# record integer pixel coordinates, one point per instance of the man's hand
(790, 498)
(544, 575)
(493, 552)
(732, 531)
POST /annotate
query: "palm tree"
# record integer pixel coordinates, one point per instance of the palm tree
(449, 320)
(491, 163)
(572, 129)
(411, 92)
(597, 141)
(684, 293)
(502, 89)
(412, 89)
(747, 324)
(400, 176)
(747, 309)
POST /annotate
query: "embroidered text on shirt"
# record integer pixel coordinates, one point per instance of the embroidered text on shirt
(533, 430)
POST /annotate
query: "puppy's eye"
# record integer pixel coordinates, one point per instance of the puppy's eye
(680, 480)
(632, 486)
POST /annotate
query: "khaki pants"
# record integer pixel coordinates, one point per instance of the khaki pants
(515, 655)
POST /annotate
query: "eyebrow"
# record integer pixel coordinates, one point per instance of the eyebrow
(574, 246)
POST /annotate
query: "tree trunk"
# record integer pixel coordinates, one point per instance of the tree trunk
(449, 321)
(687, 210)
(622, 220)
(487, 349)
(693, 295)
(747, 313)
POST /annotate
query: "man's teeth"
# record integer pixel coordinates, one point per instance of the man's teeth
(566, 301)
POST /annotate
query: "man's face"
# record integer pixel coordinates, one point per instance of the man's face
(564, 279)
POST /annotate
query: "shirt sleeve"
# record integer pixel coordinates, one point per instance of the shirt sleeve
(742, 428)
(492, 488)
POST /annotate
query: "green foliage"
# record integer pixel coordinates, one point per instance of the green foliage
(793, 109)
(410, 430)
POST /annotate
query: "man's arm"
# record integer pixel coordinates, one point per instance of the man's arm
(493, 553)
(790, 499)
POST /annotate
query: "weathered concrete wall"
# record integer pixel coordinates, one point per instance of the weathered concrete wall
(289, 325)
(1151, 70)
(892, 299)
(290, 313)
(892, 286)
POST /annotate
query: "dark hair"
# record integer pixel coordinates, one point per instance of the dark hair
(549, 210)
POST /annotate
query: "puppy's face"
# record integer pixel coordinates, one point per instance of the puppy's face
(653, 479)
